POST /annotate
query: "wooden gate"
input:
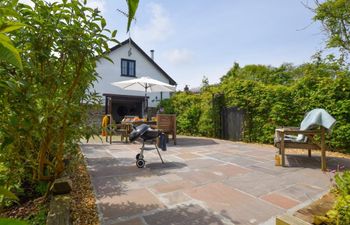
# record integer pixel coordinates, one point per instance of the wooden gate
(232, 121)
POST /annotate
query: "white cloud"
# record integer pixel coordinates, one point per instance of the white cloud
(158, 28)
(179, 56)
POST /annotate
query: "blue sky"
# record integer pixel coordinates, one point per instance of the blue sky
(196, 38)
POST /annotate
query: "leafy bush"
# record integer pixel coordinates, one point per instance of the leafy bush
(341, 210)
(340, 213)
(43, 113)
(270, 97)
(7, 221)
(39, 218)
(166, 106)
(187, 109)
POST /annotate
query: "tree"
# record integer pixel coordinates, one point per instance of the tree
(261, 73)
(43, 107)
(205, 81)
(335, 17)
(8, 52)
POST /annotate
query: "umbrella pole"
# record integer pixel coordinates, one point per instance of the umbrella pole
(146, 104)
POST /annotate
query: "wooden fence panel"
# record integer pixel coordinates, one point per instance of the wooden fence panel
(232, 120)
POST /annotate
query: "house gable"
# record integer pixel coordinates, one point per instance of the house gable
(128, 66)
(147, 57)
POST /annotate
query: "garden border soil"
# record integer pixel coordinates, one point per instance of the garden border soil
(83, 204)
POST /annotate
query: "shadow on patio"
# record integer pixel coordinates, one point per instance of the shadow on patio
(314, 162)
(202, 185)
(114, 176)
(158, 215)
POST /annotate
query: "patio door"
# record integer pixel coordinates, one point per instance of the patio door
(122, 105)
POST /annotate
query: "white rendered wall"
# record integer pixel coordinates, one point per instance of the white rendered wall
(110, 72)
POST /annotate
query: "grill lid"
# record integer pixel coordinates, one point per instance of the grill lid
(138, 131)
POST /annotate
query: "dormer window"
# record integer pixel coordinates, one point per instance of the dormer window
(128, 68)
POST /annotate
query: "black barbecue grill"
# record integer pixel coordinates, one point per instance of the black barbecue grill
(144, 132)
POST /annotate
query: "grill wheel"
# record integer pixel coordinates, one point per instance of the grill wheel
(140, 163)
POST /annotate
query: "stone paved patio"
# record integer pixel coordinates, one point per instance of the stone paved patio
(203, 181)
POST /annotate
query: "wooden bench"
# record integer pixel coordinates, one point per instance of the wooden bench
(282, 143)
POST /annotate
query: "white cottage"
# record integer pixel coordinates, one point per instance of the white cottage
(130, 62)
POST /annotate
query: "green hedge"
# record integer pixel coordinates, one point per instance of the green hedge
(267, 105)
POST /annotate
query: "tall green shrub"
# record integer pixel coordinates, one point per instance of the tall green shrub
(42, 113)
(323, 83)
(187, 109)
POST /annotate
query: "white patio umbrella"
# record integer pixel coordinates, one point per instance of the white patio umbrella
(145, 84)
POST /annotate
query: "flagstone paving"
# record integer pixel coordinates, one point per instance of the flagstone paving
(203, 181)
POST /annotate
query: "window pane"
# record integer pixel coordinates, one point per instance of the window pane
(131, 68)
(124, 67)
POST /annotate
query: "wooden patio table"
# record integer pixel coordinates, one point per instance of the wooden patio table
(130, 124)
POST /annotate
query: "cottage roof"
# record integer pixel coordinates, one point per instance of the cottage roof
(171, 81)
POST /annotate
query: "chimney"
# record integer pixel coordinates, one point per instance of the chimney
(152, 54)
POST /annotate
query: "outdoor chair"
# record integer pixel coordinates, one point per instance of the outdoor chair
(120, 129)
(167, 124)
(112, 128)
(315, 123)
